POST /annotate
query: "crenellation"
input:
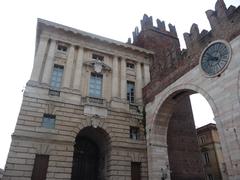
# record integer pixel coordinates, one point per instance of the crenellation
(194, 32)
(172, 29)
(225, 26)
(135, 33)
(146, 22)
(230, 10)
(220, 9)
(203, 33)
(161, 25)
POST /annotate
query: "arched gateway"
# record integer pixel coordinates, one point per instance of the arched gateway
(221, 92)
(210, 66)
(91, 150)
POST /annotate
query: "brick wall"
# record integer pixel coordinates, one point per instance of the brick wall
(183, 151)
(170, 63)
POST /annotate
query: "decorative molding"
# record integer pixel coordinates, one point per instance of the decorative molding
(98, 66)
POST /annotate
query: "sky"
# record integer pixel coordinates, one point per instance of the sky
(108, 18)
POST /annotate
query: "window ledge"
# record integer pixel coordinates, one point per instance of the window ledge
(46, 130)
(96, 101)
(52, 92)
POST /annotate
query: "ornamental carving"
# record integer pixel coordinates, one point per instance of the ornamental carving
(97, 66)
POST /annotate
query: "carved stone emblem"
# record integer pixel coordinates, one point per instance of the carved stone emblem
(98, 66)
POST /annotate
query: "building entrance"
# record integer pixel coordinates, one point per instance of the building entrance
(90, 157)
(85, 160)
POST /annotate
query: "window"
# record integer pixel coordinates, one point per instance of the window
(48, 121)
(97, 57)
(56, 80)
(202, 139)
(130, 91)
(95, 86)
(134, 133)
(130, 65)
(62, 48)
(205, 157)
(135, 171)
(210, 177)
(40, 167)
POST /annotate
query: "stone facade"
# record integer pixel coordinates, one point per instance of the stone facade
(209, 142)
(106, 120)
(1, 173)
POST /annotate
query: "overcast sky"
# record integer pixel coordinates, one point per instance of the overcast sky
(109, 18)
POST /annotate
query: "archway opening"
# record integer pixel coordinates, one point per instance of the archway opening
(184, 155)
(202, 111)
(90, 155)
(208, 138)
(174, 128)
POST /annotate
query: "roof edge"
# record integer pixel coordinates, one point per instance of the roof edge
(93, 36)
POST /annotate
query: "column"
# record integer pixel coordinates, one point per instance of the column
(138, 83)
(123, 79)
(115, 88)
(146, 74)
(78, 70)
(39, 57)
(49, 63)
(68, 69)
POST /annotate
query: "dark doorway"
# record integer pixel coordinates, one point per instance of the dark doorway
(85, 160)
(40, 167)
(135, 171)
(91, 153)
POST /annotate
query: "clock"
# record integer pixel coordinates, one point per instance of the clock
(215, 58)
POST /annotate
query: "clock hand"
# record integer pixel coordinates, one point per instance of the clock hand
(213, 58)
(209, 55)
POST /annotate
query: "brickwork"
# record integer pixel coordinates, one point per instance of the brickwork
(223, 97)
(178, 73)
(183, 151)
(170, 62)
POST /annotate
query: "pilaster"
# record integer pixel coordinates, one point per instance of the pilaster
(115, 83)
(49, 63)
(39, 58)
(69, 68)
(138, 83)
(78, 70)
(146, 74)
(123, 80)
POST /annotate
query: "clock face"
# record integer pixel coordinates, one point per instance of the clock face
(215, 58)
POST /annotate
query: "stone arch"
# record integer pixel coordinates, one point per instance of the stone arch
(92, 121)
(165, 103)
(91, 135)
(158, 119)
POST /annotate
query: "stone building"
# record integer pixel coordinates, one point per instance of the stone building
(1, 173)
(81, 115)
(211, 150)
(95, 108)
